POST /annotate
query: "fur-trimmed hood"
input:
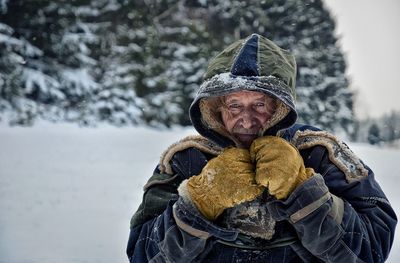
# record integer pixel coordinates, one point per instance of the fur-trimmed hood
(256, 64)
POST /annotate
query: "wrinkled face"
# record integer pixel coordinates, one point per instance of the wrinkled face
(245, 113)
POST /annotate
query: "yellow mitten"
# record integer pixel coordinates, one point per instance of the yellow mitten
(279, 165)
(226, 180)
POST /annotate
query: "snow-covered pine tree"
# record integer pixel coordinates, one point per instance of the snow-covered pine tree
(113, 99)
(157, 64)
(72, 45)
(307, 29)
(120, 57)
(13, 55)
(374, 134)
(390, 126)
(24, 87)
(53, 69)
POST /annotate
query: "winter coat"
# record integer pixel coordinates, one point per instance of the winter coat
(338, 215)
(312, 226)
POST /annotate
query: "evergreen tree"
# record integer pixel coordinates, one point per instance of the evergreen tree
(390, 124)
(159, 61)
(22, 82)
(51, 67)
(374, 134)
(13, 53)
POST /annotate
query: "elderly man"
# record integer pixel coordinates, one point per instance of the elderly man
(255, 186)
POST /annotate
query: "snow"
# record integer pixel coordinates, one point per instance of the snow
(80, 80)
(67, 193)
(35, 78)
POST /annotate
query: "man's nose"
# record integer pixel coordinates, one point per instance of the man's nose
(247, 119)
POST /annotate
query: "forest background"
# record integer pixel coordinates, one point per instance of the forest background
(141, 62)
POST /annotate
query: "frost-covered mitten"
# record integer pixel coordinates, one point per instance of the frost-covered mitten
(279, 165)
(225, 181)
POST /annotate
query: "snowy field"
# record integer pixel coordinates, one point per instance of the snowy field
(67, 193)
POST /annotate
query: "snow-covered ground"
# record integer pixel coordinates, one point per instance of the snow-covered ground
(67, 193)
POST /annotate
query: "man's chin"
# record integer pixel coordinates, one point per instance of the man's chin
(246, 139)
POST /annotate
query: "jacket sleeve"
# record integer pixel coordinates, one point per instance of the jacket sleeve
(162, 187)
(162, 240)
(338, 221)
(161, 229)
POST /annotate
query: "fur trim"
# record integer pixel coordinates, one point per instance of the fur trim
(184, 193)
(281, 112)
(195, 141)
(211, 116)
(339, 153)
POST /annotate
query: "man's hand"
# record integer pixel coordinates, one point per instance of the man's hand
(279, 165)
(226, 180)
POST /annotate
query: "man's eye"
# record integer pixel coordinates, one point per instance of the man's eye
(234, 108)
(259, 106)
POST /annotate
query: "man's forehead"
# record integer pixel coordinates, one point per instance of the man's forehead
(245, 94)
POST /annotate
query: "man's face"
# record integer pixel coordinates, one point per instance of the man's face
(245, 113)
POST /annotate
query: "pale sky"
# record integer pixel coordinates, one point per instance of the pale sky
(369, 32)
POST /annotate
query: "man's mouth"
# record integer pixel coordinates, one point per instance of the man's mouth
(246, 136)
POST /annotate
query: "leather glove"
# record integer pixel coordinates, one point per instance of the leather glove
(279, 165)
(225, 181)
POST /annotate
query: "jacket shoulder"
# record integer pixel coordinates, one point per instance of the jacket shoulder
(189, 144)
(289, 133)
(306, 136)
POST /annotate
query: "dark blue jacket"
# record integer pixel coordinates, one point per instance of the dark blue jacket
(326, 219)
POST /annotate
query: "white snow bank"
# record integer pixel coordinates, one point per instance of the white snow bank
(67, 193)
